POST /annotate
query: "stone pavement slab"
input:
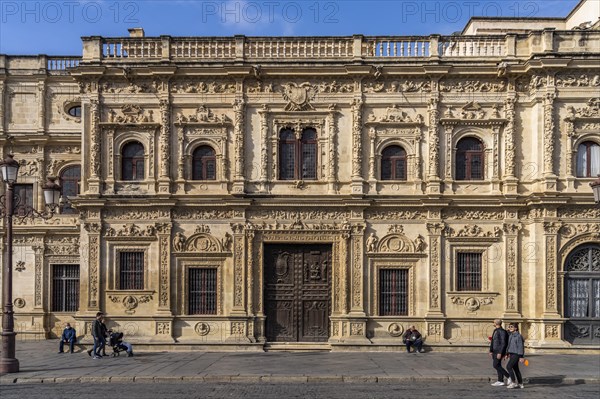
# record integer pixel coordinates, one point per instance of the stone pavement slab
(39, 363)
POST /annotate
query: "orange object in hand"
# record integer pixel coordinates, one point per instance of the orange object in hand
(526, 362)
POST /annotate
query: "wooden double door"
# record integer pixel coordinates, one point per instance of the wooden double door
(297, 292)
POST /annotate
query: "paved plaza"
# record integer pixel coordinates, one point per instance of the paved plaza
(40, 363)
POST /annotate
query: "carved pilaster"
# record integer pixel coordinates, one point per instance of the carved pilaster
(164, 286)
(239, 259)
(372, 155)
(551, 230)
(239, 108)
(264, 147)
(332, 144)
(2, 106)
(250, 279)
(549, 141)
(433, 177)
(510, 181)
(95, 147)
(435, 275)
(357, 150)
(164, 144)
(356, 275)
(511, 250)
(181, 159)
(341, 277)
(450, 154)
(39, 271)
(41, 96)
(41, 178)
(93, 230)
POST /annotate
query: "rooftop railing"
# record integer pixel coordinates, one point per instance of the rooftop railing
(241, 48)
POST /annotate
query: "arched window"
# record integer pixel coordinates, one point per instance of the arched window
(69, 186)
(298, 158)
(132, 165)
(588, 159)
(582, 295)
(469, 159)
(204, 164)
(393, 163)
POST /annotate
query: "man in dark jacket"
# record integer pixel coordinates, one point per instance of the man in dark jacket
(412, 337)
(68, 337)
(498, 344)
(98, 332)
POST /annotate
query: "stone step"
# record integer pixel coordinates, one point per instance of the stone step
(297, 346)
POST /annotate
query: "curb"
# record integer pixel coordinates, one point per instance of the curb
(285, 379)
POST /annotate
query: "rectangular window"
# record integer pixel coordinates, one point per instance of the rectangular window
(23, 196)
(468, 271)
(131, 273)
(393, 292)
(65, 288)
(202, 291)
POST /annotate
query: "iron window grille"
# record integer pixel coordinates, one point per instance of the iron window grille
(393, 292)
(468, 267)
(65, 288)
(202, 290)
(131, 273)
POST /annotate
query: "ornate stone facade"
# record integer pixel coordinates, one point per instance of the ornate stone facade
(524, 217)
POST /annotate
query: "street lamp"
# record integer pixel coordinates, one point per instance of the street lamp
(596, 189)
(11, 206)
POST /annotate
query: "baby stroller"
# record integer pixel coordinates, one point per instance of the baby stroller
(117, 344)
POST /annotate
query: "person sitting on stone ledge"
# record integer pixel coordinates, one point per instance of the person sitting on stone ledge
(412, 337)
(69, 336)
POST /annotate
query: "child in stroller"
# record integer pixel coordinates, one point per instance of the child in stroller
(118, 345)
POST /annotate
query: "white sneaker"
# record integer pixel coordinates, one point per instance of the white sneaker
(509, 381)
(498, 384)
(521, 386)
(512, 386)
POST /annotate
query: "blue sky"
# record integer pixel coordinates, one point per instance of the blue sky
(55, 27)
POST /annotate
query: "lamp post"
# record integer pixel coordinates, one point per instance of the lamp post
(596, 189)
(11, 206)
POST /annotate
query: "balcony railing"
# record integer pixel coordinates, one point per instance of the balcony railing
(62, 63)
(241, 48)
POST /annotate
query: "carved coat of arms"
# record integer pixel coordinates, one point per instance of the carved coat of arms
(298, 96)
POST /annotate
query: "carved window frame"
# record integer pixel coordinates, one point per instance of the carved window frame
(586, 138)
(376, 265)
(205, 262)
(218, 145)
(48, 265)
(298, 122)
(114, 271)
(147, 140)
(473, 245)
(468, 172)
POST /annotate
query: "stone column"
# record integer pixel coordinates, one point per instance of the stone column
(110, 172)
(357, 149)
(551, 230)
(164, 143)
(39, 277)
(433, 174)
(512, 256)
(510, 181)
(239, 108)
(435, 268)
(495, 160)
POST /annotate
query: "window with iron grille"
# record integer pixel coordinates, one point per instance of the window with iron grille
(202, 290)
(132, 161)
(298, 158)
(393, 292)
(69, 187)
(65, 288)
(23, 196)
(204, 164)
(469, 159)
(582, 296)
(393, 163)
(468, 267)
(131, 270)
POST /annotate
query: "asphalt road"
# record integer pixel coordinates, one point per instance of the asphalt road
(192, 390)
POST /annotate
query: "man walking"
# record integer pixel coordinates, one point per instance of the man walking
(498, 345)
(99, 336)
